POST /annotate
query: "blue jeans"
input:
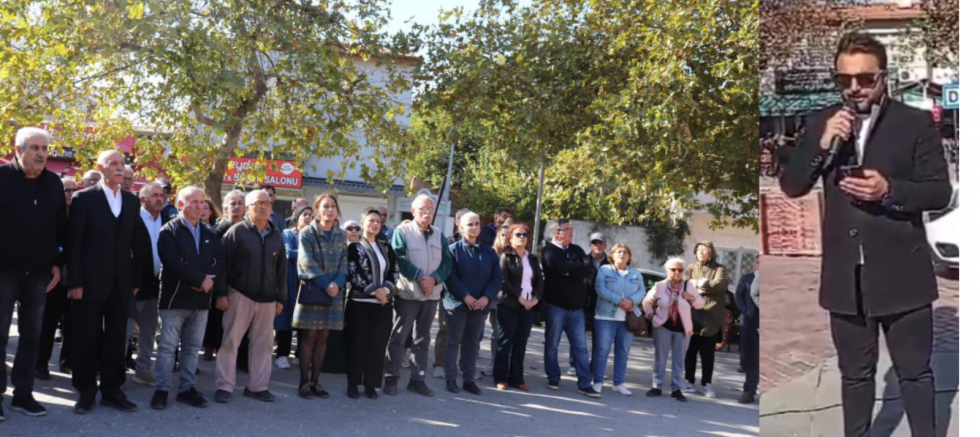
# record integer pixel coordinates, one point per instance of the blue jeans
(187, 327)
(674, 344)
(606, 332)
(572, 323)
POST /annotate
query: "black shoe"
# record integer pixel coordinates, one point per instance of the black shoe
(654, 392)
(472, 388)
(746, 398)
(28, 406)
(119, 402)
(741, 370)
(676, 394)
(352, 392)
(159, 401)
(553, 385)
(192, 397)
(65, 368)
(43, 374)
(420, 388)
(130, 363)
(370, 392)
(391, 386)
(2, 417)
(319, 392)
(590, 392)
(222, 396)
(306, 391)
(84, 404)
(264, 395)
(452, 387)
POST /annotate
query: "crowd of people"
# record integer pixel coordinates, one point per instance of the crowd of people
(237, 283)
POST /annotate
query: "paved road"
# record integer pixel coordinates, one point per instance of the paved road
(541, 412)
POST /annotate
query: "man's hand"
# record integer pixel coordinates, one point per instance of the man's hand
(222, 303)
(75, 293)
(428, 283)
(870, 188)
(135, 291)
(837, 126)
(481, 303)
(55, 278)
(470, 302)
(332, 291)
(382, 296)
(208, 283)
(278, 308)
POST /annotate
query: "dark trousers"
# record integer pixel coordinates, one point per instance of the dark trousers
(440, 337)
(750, 351)
(909, 339)
(464, 329)
(57, 310)
(213, 332)
(284, 342)
(367, 332)
(704, 346)
(29, 292)
(515, 329)
(99, 344)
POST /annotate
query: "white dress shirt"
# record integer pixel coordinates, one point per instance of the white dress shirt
(527, 275)
(859, 145)
(115, 199)
(153, 226)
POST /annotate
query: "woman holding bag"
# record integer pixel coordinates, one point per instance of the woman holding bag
(322, 270)
(372, 266)
(673, 299)
(619, 288)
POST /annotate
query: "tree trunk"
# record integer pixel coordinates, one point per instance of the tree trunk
(212, 185)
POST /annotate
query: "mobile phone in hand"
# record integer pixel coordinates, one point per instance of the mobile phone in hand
(850, 171)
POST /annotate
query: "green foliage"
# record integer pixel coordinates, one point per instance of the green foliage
(213, 79)
(634, 107)
(664, 239)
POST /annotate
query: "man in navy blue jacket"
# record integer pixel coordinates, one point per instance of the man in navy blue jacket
(472, 286)
(749, 347)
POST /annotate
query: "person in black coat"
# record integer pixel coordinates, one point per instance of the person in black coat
(489, 232)
(519, 294)
(876, 270)
(33, 226)
(371, 270)
(103, 276)
(749, 343)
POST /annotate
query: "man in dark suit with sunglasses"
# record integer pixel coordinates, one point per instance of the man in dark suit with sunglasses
(882, 165)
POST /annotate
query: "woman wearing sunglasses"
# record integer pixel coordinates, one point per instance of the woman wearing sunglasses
(619, 289)
(353, 231)
(521, 290)
(673, 299)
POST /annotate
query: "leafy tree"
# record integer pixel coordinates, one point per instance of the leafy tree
(941, 32)
(265, 78)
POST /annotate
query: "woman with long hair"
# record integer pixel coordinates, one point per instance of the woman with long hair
(322, 260)
(522, 289)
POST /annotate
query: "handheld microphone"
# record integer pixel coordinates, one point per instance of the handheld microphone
(835, 144)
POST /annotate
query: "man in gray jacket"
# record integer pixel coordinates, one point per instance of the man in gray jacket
(251, 294)
(424, 264)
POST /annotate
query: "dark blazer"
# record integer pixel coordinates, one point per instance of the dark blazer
(185, 266)
(743, 299)
(364, 275)
(105, 251)
(150, 288)
(904, 146)
(512, 268)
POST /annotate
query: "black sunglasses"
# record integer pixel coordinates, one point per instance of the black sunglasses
(354, 228)
(521, 234)
(864, 80)
(676, 270)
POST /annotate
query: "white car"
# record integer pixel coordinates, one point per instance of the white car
(943, 233)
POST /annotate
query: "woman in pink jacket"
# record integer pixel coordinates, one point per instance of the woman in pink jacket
(672, 327)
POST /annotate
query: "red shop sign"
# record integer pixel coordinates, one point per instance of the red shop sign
(286, 176)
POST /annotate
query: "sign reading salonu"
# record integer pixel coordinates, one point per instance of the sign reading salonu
(283, 174)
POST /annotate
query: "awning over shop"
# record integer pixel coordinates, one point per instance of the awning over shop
(777, 105)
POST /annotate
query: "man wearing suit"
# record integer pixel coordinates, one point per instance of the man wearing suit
(106, 235)
(877, 273)
(749, 347)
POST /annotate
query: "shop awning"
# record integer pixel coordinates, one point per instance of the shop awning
(780, 105)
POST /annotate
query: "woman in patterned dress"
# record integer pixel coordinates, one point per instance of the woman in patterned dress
(322, 260)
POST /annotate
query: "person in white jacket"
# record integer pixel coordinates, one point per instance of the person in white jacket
(673, 299)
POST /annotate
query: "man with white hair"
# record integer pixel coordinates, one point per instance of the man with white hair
(128, 178)
(424, 262)
(251, 293)
(33, 226)
(153, 216)
(192, 257)
(91, 178)
(104, 273)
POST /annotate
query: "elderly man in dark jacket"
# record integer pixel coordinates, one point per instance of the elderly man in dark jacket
(749, 345)
(33, 225)
(192, 256)
(251, 293)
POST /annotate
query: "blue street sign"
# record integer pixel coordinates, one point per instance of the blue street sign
(951, 96)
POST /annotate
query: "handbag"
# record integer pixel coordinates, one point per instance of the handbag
(309, 292)
(636, 324)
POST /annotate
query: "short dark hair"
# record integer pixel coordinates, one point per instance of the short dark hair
(502, 210)
(267, 188)
(860, 42)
